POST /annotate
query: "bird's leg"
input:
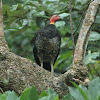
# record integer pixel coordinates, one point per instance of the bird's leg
(41, 60)
(42, 64)
(52, 71)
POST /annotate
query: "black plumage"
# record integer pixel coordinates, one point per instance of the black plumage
(46, 46)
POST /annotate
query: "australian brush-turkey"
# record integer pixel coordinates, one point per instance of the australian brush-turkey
(47, 45)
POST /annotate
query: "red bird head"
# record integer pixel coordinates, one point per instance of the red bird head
(54, 18)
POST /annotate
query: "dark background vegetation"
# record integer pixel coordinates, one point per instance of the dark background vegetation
(22, 18)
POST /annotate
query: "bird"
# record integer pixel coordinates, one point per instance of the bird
(47, 43)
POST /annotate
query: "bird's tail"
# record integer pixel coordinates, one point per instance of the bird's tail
(47, 66)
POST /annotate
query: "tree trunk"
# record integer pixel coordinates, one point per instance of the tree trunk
(18, 73)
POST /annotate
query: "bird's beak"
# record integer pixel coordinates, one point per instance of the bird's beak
(60, 19)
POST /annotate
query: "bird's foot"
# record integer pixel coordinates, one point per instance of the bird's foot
(42, 65)
(52, 71)
(52, 74)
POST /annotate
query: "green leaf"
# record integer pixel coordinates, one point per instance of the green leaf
(94, 89)
(99, 98)
(33, 94)
(25, 94)
(0, 94)
(81, 90)
(68, 97)
(4, 96)
(94, 36)
(18, 98)
(50, 95)
(50, 92)
(43, 94)
(56, 97)
(78, 93)
(44, 98)
(90, 56)
(12, 96)
(6, 9)
(75, 93)
(59, 23)
(97, 18)
(64, 15)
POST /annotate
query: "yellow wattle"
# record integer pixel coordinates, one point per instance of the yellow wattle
(52, 23)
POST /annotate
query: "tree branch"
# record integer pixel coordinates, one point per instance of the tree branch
(71, 26)
(1, 20)
(83, 13)
(78, 69)
(84, 32)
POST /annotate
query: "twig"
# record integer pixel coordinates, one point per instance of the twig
(82, 17)
(1, 90)
(39, 1)
(1, 20)
(79, 22)
(71, 26)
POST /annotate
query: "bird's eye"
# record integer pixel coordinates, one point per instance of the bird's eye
(56, 16)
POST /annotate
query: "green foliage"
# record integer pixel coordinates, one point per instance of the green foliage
(81, 90)
(68, 97)
(4, 96)
(33, 94)
(94, 36)
(94, 89)
(25, 94)
(12, 96)
(82, 93)
(29, 94)
(92, 59)
(9, 95)
(49, 95)
(75, 93)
